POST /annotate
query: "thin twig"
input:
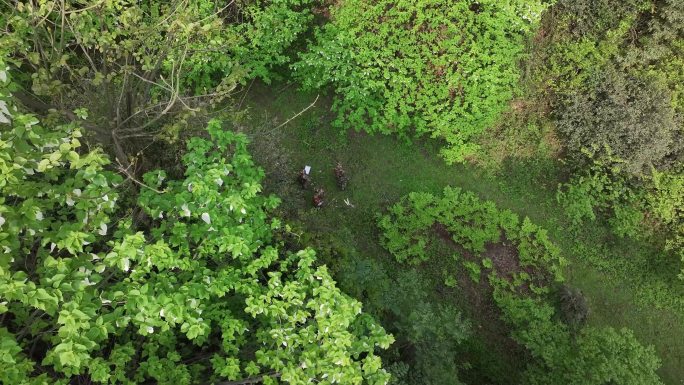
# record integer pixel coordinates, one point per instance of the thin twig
(297, 115)
(124, 170)
(245, 95)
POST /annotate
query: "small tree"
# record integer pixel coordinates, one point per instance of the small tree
(630, 115)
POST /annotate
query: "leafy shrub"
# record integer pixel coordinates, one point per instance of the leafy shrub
(604, 188)
(203, 294)
(474, 270)
(471, 223)
(595, 18)
(638, 208)
(433, 330)
(144, 69)
(445, 68)
(573, 306)
(630, 115)
(612, 72)
(593, 356)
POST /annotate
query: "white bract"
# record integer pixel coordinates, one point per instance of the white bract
(206, 218)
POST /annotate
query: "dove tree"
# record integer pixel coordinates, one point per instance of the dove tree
(200, 290)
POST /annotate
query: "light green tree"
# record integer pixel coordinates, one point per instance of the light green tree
(196, 290)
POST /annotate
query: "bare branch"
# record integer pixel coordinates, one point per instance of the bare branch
(130, 176)
(298, 114)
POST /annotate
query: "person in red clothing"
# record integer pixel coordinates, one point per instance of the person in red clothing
(318, 198)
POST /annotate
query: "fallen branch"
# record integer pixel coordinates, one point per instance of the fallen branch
(299, 113)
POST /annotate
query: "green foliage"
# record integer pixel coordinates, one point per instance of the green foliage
(604, 188)
(144, 70)
(473, 269)
(471, 223)
(635, 208)
(201, 293)
(447, 69)
(630, 115)
(561, 356)
(611, 71)
(593, 356)
(434, 330)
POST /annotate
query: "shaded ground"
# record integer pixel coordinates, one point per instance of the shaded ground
(476, 298)
(383, 169)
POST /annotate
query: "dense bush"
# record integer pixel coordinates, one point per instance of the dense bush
(611, 71)
(198, 291)
(593, 356)
(445, 68)
(472, 223)
(649, 207)
(615, 71)
(433, 330)
(631, 116)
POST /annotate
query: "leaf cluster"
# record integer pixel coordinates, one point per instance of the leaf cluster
(446, 69)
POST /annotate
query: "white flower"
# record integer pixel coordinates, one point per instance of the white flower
(39, 215)
(150, 329)
(243, 211)
(126, 264)
(190, 187)
(161, 312)
(4, 113)
(219, 181)
(2, 220)
(206, 218)
(186, 210)
(52, 247)
(103, 229)
(69, 201)
(105, 198)
(161, 215)
(77, 192)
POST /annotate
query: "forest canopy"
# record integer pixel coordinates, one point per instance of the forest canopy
(194, 192)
